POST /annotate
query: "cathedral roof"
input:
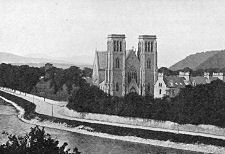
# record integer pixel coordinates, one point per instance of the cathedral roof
(102, 59)
(129, 52)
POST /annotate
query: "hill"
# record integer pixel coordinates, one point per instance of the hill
(58, 65)
(195, 60)
(13, 59)
(216, 61)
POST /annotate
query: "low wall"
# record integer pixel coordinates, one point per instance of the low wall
(207, 129)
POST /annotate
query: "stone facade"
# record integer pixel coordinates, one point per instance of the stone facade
(160, 87)
(118, 71)
(169, 85)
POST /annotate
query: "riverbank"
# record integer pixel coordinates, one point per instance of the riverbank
(101, 131)
(59, 109)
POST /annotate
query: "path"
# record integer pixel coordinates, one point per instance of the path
(55, 108)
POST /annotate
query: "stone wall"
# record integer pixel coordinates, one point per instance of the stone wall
(145, 123)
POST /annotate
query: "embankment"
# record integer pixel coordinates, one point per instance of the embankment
(113, 132)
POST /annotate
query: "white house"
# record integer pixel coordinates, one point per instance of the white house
(160, 87)
(168, 85)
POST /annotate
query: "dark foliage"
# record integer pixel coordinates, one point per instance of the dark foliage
(167, 71)
(87, 72)
(22, 78)
(203, 104)
(34, 142)
(25, 79)
(62, 82)
(92, 99)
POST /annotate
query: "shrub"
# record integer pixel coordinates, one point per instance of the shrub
(34, 142)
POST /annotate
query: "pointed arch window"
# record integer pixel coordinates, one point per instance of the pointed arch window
(114, 45)
(117, 86)
(117, 63)
(148, 63)
(117, 45)
(148, 87)
(151, 46)
(146, 44)
(132, 75)
(120, 45)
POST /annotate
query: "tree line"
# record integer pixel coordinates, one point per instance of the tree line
(58, 83)
(203, 104)
(43, 81)
(22, 78)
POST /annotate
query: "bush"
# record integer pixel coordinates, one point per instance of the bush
(35, 142)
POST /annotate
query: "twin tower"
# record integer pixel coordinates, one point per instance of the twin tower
(118, 71)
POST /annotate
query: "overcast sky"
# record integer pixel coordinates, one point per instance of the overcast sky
(73, 29)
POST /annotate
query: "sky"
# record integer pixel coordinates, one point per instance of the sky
(73, 29)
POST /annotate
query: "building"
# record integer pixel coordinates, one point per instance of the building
(118, 71)
(198, 80)
(186, 77)
(218, 75)
(206, 78)
(171, 85)
(168, 85)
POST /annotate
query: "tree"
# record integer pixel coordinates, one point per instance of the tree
(87, 72)
(167, 71)
(35, 142)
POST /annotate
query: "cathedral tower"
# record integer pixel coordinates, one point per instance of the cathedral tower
(116, 48)
(147, 50)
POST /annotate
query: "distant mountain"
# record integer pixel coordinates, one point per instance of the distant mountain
(10, 58)
(216, 61)
(58, 65)
(194, 61)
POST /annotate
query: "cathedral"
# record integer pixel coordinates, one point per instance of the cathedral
(118, 71)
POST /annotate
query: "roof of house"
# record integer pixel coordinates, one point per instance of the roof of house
(174, 82)
(198, 80)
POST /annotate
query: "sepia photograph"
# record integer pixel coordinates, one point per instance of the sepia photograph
(112, 77)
